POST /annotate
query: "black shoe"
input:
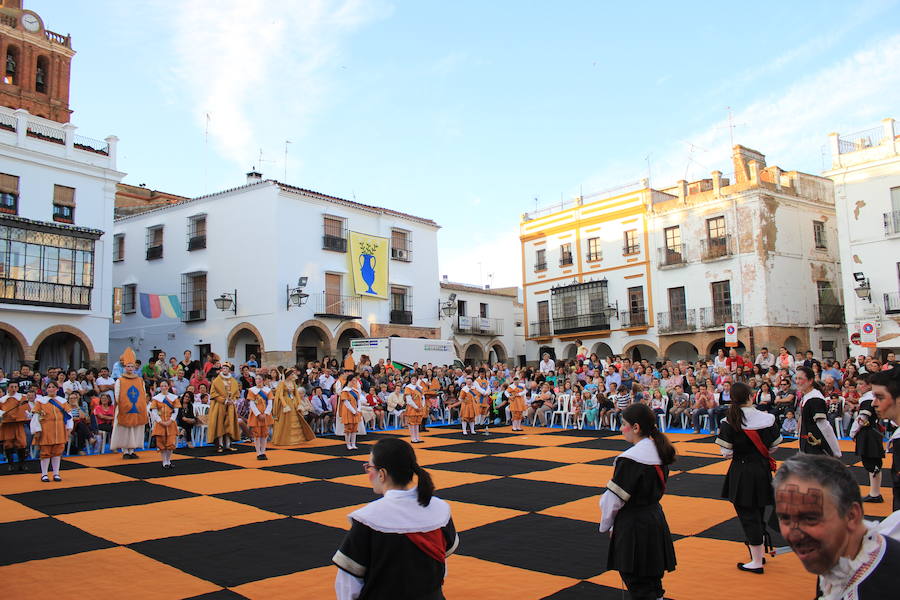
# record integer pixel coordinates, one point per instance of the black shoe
(220, 450)
(874, 499)
(231, 449)
(165, 466)
(45, 478)
(263, 457)
(758, 571)
(259, 457)
(57, 478)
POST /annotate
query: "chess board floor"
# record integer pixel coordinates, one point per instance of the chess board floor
(229, 526)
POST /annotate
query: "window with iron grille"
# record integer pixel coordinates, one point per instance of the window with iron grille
(45, 268)
(196, 232)
(632, 246)
(63, 204)
(193, 296)
(673, 239)
(9, 194)
(565, 255)
(819, 235)
(129, 298)
(593, 249)
(401, 247)
(119, 247)
(540, 259)
(580, 307)
(401, 305)
(154, 242)
(334, 235)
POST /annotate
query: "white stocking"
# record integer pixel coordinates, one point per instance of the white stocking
(45, 462)
(353, 439)
(347, 437)
(756, 558)
(227, 439)
(262, 445)
(875, 484)
(54, 461)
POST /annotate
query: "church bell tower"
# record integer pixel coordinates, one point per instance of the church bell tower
(35, 64)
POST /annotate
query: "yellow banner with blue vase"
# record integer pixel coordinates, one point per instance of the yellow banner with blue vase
(369, 264)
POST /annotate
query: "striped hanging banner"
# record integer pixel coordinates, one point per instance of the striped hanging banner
(153, 306)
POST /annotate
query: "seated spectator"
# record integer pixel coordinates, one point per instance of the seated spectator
(620, 399)
(187, 418)
(79, 411)
(104, 414)
(789, 425)
(765, 397)
(704, 404)
(658, 403)
(321, 408)
(681, 402)
(542, 404)
(396, 405)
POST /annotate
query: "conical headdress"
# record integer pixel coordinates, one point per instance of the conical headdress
(128, 357)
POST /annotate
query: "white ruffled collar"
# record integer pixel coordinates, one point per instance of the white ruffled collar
(837, 581)
(756, 419)
(643, 452)
(399, 511)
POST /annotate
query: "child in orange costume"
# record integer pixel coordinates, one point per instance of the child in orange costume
(51, 425)
(164, 412)
(467, 407)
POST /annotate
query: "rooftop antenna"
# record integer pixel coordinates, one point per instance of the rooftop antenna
(649, 181)
(286, 142)
(206, 156)
(261, 160)
(731, 125)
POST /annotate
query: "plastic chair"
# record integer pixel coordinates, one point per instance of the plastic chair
(198, 435)
(562, 409)
(661, 419)
(704, 423)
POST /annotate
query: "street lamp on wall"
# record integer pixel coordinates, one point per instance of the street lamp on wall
(227, 302)
(863, 289)
(448, 308)
(296, 296)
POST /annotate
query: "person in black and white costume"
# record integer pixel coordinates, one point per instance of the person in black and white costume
(397, 545)
(869, 437)
(749, 436)
(641, 546)
(816, 433)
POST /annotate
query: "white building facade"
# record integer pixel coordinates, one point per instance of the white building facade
(865, 168)
(255, 243)
(57, 192)
(657, 273)
(483, 323)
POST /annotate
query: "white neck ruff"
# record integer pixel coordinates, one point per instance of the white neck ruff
(643, 452)
(756, 419)
(399, 511)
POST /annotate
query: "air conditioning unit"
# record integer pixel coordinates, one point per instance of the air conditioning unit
(195, 315)
(400, 253)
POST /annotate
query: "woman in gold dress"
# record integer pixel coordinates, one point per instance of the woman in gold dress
(290, 426)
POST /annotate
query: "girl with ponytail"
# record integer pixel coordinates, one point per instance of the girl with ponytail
(641, 546)
(749, 436)
(397, 545)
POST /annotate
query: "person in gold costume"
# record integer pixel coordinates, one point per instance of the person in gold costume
(290, 426)
(223, 424)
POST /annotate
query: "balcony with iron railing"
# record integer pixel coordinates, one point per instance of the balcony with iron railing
(39, 293)
(154, 252)
(892, 303)
(892, 223)
(672, 257)
(334, 239)
(635, 318)
(539, 329)
(677, 321)
(598, 321)
(629, 249)
(541, 266)
(716, 248)
(478, 325)
(829, 314)
(714, 317)
(565, 260)
(335, 306)
(853, 142)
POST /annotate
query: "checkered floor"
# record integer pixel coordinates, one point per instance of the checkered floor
(526, 506)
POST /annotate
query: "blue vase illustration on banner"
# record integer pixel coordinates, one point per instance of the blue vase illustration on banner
(367, 270)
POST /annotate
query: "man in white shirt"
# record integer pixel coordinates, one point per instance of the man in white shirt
(764, 359)
(547, 365)
(106, 384)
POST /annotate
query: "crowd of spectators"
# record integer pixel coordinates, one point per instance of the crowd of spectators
(588, 391)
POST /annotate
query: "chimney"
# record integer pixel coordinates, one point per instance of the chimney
(741, 158)
(717, 182)
(445, 278)
(754, 171)
(682, 191)
(253, 176)
(776, 175)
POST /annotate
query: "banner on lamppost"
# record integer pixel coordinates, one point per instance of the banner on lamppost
(368, 256)
(118, 297)
(868, 334)
(731, 338)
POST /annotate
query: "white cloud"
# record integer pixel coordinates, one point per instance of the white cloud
(242, 61)
(790, 126)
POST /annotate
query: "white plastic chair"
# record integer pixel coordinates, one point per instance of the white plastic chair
(562, 409)
(577, 421)
(662, 418)
(198, 434)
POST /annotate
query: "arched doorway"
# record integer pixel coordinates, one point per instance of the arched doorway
(244, 342)
(497, 353)
(474, 355)
(602, 350)
(343, 341)
(641, 352)
(546, 350)
(64, 350)
(570, 352)
(11, 353)
(792, 344)
(682, 351)
(311, 343)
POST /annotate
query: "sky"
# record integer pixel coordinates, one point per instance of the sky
(471, 113)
